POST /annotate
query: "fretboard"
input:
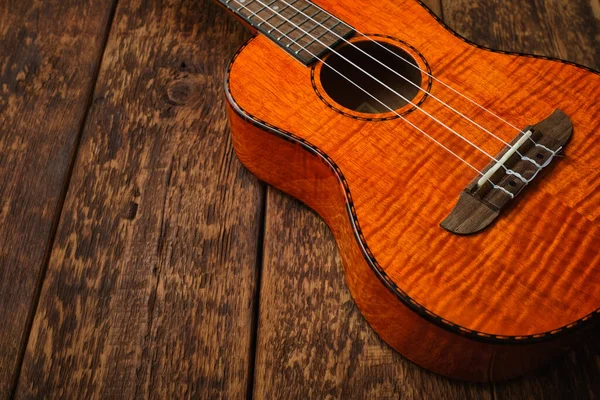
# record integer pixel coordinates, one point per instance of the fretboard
(299, 27)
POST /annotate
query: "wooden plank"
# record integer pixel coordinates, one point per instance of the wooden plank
(151, 283)
(50, 57)
(559, 28)
(312, 340)
(435, 6)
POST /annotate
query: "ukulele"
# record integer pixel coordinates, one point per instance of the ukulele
(462, 184)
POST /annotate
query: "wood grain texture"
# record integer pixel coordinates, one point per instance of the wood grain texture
(565, 29)
(50, 57)
(441, 283)
(151, 284)
(479, 205)
(571, 31)
(453, 355)
(312, 340)
(99, 294)
(524, 89)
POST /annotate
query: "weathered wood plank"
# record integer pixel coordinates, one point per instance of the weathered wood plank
(50, 53)
(151, 283)
(435, 6)
(560, 28)
(564, 29)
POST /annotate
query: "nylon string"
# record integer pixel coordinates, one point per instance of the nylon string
(386, 86)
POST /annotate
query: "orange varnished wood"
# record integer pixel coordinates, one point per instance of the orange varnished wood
(535, 272)
(289, 167)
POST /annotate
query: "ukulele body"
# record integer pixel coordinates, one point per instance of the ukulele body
(487, 306)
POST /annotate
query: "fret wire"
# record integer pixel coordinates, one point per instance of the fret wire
(278, 13)
(312, 17)
(275, 14)
(321, 24)
(317, 38)
(334, 25)
(298, 32)
(255, 12)
(294, 27)
(242, 5)
(276, 26)
(263, 7)
(267, 20)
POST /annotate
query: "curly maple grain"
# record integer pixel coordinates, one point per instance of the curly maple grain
(532, 277)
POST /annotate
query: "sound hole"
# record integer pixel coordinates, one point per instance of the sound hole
(350, 96)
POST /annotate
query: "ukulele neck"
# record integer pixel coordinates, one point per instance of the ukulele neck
(304, 30)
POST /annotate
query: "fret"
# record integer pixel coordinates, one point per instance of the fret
(279, 13)
(275, 14)
(300, 27)
(313, 15)
(309, 27)
(240, 9)
(311, 30)
(309, 18)
(293, 24)
(315, 39)
(288, 5)
(276, 27)
(264, 7)
(256, 12)
(246, 9)
(244, 5)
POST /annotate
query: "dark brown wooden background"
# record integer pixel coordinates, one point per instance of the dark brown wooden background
(138, 258)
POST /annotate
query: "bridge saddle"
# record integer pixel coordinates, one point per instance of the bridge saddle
(517, 166)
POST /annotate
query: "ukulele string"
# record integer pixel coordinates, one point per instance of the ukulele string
(392, 110)
(391, 69)
(443, 84)
(425, 72)
(438, 80)
(386, 86)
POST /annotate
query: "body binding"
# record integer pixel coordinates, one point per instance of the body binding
(457, 343)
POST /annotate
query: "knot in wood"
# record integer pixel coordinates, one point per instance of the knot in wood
(184, 91)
